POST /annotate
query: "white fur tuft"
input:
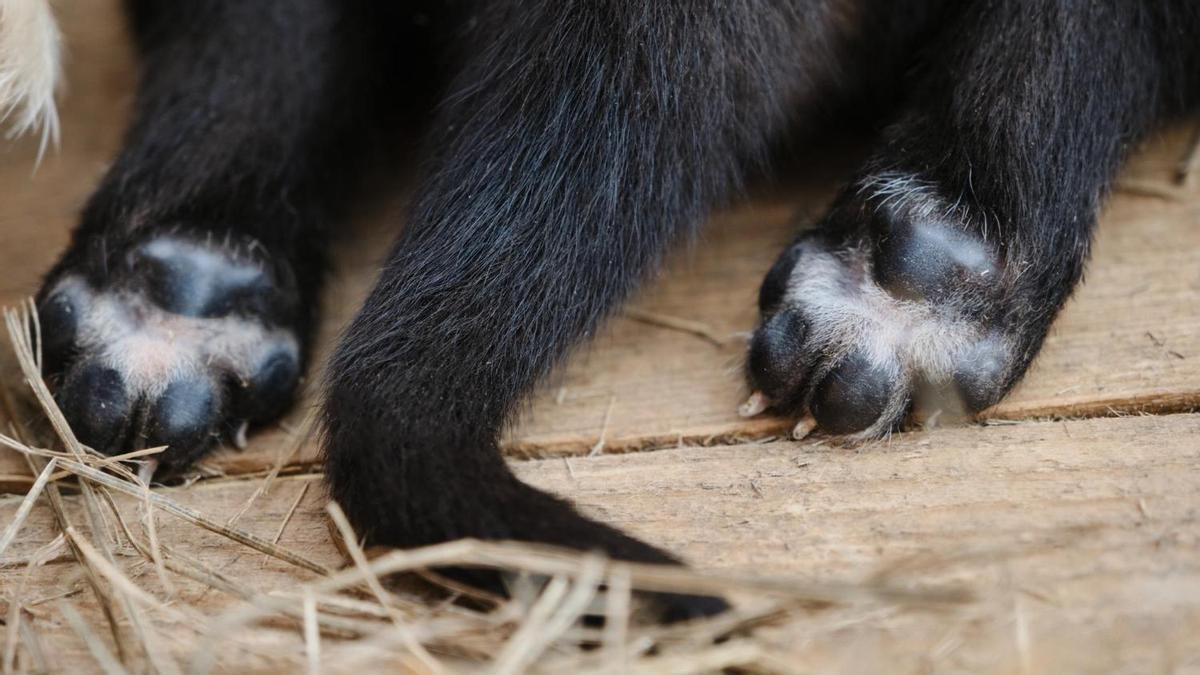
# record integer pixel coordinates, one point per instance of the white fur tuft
(30, 69)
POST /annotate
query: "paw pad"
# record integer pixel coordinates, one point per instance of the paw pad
(190, 279)
(853, 396)
(97, 405)
(930, 260)
(186, 342)
(887, 302)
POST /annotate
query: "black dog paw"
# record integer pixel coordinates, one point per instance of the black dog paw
(175, 341)
(677, 607)
(896, 300)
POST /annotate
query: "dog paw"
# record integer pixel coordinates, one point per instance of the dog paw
(896, 302)
(174, 340)
(677, 607)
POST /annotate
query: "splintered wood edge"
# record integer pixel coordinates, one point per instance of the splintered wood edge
(1069, 407)
(576, 445)
(757, 430)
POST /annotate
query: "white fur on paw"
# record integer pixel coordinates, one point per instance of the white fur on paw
(857, 325)
(848, 311)
(150, 347)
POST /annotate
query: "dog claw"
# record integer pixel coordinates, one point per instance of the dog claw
(239, 435)
(146, 470)
(754, 405)
(804, 427)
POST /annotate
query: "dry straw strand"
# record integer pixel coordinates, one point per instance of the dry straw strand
(347, 616)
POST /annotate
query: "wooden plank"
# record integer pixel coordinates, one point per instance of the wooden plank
(1084, 533)
(1080, 535)
(768, 506)
(304, 530)
(221, 500)
(1129, 341)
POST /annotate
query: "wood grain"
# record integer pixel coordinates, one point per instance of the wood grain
(1088, 529)
(1086, 532)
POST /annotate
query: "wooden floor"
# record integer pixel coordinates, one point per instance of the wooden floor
(1074, 511)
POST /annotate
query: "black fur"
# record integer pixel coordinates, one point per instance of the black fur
(575, 143)
(248, 120)
(1016, 117)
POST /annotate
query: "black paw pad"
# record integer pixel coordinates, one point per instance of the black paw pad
(852, 397)
(186, 278)
(777, 361)
(926, 259)
(982, 375)
(269, 390)
(97, 405)
(184, 416)
(775, 284)
(675, 607)
(59, 315)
